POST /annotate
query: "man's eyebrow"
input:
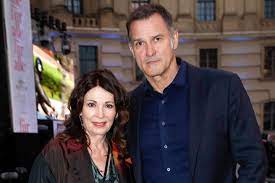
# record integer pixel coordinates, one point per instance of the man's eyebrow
(152, 37)
(158, 35)
(136, 39)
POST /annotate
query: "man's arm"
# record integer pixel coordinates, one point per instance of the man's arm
(245, 138)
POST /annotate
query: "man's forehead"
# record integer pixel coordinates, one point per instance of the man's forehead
(148, 28)
(152, 18)
(144, 37)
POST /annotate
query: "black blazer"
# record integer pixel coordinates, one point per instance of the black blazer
(223, 130)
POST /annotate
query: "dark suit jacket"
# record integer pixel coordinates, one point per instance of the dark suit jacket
(223, 130)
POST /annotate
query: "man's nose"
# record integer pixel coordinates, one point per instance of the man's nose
(150, 50)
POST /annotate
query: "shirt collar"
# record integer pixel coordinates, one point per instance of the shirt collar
(180, 78)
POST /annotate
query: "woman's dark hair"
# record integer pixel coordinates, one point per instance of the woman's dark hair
(147, 10)
(105, 79)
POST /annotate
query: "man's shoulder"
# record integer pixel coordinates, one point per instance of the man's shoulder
(210, 74)
(137, 91)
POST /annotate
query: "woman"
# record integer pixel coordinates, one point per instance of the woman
(91, 149)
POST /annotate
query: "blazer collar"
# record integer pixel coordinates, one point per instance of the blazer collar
(135, 129)
(197, 107)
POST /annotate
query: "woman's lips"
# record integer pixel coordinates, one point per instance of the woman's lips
(99, 124)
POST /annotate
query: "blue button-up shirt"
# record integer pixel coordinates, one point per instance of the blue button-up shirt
(164, 132)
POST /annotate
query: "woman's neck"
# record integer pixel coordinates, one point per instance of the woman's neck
(98, 144)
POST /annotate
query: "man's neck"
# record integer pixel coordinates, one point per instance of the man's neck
(159, 83)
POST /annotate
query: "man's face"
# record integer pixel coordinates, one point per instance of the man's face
(152, 45)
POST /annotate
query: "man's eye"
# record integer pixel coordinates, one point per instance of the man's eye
(157, 39)
(138, 44)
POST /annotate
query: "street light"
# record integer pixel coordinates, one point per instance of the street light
(65, 45)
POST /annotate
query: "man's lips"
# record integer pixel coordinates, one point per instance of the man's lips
(99, 124)
(152, 61)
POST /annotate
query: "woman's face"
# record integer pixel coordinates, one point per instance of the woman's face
(98, 111)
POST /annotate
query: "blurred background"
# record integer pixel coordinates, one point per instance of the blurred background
(68, 38)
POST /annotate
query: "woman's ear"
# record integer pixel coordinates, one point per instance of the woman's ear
(116, 116)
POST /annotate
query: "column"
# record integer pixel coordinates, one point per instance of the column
(185, 16)
(106, 12)
(251, 21)
(121, 8)
(57, 6)
(231, 20)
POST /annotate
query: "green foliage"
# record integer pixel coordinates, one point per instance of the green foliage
(53, 83)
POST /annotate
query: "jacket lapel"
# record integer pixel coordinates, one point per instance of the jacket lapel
(79, 167)
(197, 104)
(135, 127)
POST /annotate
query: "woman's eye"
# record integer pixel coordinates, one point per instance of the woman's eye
(110, 106)
(91, 105)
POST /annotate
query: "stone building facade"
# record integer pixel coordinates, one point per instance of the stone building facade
(232, 35)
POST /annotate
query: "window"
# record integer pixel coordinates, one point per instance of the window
(269, 116)
(87, 58)
(136, 3)
(269, 8)
(269, 62)
(209, 57)
(206, 10)
(74, 6)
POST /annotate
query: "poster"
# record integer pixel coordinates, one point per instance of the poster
(20, 65)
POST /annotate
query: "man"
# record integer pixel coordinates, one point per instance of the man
(187, 124)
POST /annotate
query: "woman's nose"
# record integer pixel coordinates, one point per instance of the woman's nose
(100, 112)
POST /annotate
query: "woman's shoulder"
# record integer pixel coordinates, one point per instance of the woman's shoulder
(59, 145)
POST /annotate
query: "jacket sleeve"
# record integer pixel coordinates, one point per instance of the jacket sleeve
(41, 172)
(245, 138)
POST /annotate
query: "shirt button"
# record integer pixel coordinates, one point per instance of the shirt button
(165, 146)
(168, 169)
(163, 123)
(163, 101)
